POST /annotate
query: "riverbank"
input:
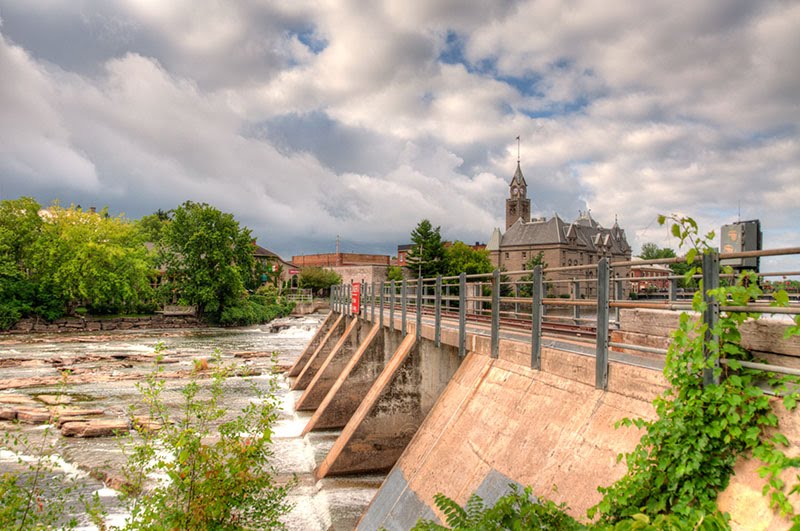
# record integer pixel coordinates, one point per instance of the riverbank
(104, 369)
(159, 321)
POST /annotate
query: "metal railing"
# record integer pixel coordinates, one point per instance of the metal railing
(582, 301)
(300, 296)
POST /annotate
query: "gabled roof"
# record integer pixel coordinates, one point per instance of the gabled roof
(494, 241)
(263, 252)
(535, 232)
(583, 233)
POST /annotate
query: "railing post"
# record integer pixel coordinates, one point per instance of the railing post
(576, 294)
(380, 303)
(619, 284)
(391, 305)
(437, 312)
(372, 302)
(362, 301)
(516, 296)
(601, 353)
(537, 290)
(348, 299)
(403, 307)
(332, 303)
(419, 308)
(673, 289)
(462, 315)
(711, 316)
(496, 313)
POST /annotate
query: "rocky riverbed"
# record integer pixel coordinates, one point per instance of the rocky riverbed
(78, 389)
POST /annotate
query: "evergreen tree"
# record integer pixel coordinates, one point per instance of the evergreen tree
(427, 257)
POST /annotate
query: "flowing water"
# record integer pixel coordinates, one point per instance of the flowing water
(334, 503)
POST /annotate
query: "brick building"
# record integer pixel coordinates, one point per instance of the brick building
(580, 242)
(340, 259)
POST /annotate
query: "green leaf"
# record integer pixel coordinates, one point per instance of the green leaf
(781, 298)
(676, 230)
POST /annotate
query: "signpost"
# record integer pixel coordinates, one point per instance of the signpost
(355, 299)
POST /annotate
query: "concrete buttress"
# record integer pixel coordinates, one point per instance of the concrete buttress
(315, 360)
(352, 385)
(320, 334)
(332, 366)
(384, 422)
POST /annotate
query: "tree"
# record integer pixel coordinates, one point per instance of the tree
(525, 289)
(394, 273)
(87, 257)
(317, 278)
(20, 228)
(651, 251)
(427, 256)
(152, 226)
(461, 258)
(207, 256)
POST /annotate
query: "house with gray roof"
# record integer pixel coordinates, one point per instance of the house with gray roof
(562, 244)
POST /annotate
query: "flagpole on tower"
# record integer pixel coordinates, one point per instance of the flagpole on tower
(517, 149)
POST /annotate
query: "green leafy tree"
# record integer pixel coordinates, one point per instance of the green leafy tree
(207, 256)
(427, 257)
(318, 279)
(20, 293)
(152, 226)
(461, 258)
(394, 273)
(87, 257)
(525, 281)
(651, 251)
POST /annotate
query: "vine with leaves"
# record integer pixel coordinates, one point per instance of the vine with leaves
(688, 452)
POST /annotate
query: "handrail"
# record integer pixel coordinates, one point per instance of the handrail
(534, 299)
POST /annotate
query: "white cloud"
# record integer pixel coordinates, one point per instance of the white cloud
(312, 119)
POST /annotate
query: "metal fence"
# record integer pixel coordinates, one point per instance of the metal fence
(300, 296)
(525, 301)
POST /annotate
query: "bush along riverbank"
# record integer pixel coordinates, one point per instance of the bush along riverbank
(190, 460)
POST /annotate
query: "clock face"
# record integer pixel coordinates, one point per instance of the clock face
(514, 191)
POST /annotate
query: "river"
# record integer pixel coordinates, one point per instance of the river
(107, 366)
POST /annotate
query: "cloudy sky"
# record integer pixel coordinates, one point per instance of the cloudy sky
(312, 119)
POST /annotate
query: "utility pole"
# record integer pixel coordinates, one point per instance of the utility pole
(419, 261)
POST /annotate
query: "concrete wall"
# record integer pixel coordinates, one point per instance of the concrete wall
(475, 425)
(763, 337)
(499, 422)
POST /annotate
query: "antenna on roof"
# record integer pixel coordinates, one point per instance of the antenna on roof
(517, 149)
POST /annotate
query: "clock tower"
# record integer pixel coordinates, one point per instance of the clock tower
(517, 205)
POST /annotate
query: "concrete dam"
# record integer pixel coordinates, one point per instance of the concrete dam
(447, 404)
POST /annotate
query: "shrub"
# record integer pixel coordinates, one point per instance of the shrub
(254, 309)
(218, 470)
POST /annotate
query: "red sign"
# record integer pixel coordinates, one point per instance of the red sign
(355, 298)
(294, 271)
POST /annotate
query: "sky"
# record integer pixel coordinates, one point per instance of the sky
(310, 120)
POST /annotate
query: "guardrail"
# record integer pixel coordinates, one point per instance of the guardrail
(300, 296)
(519, 300)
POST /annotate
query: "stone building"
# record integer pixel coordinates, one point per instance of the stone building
(352, 267)
(562, 244)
